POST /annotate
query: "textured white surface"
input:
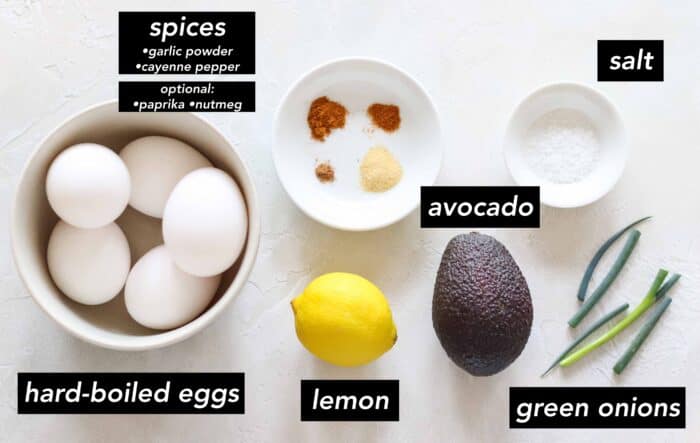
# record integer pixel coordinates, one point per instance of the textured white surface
(477, 59)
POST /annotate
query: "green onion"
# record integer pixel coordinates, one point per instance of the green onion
(667, 285)
(608, 280)
(606, 318)
(646, 302)
(583, 287)
(641, 336)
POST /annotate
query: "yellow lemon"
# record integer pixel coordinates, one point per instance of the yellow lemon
(344, 319)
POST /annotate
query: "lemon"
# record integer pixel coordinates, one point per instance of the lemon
(344, 319)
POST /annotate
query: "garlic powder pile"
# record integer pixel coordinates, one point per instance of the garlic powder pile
(562, 146)
(379, 170)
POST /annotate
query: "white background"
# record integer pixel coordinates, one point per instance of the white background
(477, 60)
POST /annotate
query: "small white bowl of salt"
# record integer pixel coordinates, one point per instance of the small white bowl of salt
(569, 139)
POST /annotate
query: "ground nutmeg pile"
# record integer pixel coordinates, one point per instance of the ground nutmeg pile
(386, 117)
(325, 172)
(324, 116)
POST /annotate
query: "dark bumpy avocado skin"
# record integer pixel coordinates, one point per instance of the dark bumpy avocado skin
(482, 310)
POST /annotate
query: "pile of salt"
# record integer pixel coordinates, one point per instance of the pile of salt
(562, 146)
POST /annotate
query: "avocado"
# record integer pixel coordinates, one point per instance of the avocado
(482, 310)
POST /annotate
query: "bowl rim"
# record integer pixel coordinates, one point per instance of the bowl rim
(601, 97)
(172, 336)
(400, 215)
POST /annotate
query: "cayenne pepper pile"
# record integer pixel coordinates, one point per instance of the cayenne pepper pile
(324, 116)
(386, 117)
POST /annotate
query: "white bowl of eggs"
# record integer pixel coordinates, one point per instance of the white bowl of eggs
(134, 230)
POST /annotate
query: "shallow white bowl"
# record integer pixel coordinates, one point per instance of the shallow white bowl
(109, 325)
(356, 83)
(610, 131)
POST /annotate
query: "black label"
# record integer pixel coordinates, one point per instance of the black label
(349, 400)
(130, 393)
(480, 207)
(630, 60)
(187, 43)
(627, 407)
(186, 96)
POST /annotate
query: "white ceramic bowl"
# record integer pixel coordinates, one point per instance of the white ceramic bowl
(109, 325)
(609, 129)
(356, 83)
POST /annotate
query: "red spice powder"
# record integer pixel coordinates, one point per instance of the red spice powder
(324, 116)
(387, 117)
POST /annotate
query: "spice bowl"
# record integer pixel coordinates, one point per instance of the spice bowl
(569, 139)
(109, 325)
(356, 83)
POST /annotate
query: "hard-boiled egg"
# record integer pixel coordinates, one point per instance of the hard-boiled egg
(205, 222)
(88, 265)
(156, 164)
(88, 185)
(160, 295)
